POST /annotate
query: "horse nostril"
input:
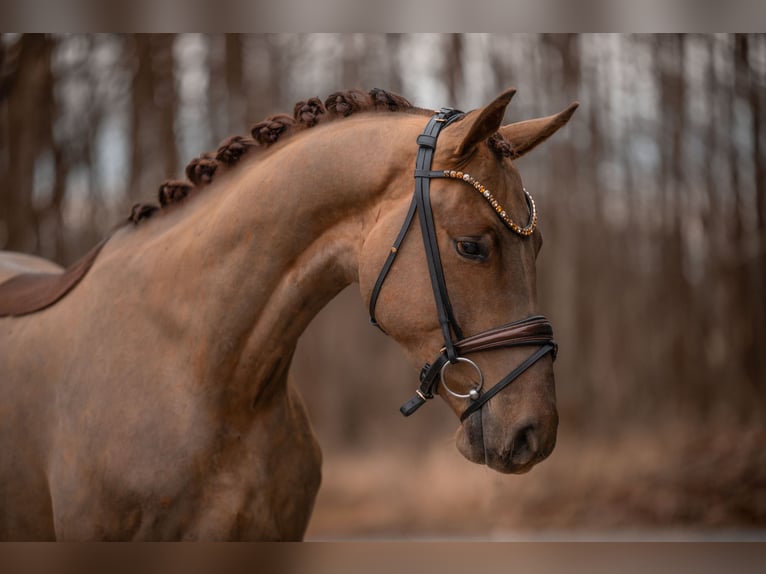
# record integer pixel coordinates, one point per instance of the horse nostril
(525, 446)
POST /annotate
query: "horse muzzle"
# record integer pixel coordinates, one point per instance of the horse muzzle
(531, 331)
(510, 448)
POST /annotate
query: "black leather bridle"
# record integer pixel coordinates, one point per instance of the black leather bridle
(535, 330)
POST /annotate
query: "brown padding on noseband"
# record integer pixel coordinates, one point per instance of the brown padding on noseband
(30, 292)
(536, 330)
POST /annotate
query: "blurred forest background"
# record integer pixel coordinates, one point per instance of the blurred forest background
(653, 207)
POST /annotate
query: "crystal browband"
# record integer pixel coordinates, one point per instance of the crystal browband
(527, 230)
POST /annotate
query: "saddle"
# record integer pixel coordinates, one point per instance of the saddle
(31, 292)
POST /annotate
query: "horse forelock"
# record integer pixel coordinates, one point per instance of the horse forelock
(500, 146)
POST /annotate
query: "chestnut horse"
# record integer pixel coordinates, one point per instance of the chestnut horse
(152, 401)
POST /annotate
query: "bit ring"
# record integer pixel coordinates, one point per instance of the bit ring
(473, 394)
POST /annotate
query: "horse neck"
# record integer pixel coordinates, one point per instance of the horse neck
(256, 259)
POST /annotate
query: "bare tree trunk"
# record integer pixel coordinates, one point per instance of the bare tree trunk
(166, 100)
(710, 303)
(672, 292)
(234, 84)
(264, 76)
(746, 300)
(756, 91)
(7, 75)
(143, 115)
(453, 61)
(29, 123)
(350, 63)
(393, 48)
(154, 102)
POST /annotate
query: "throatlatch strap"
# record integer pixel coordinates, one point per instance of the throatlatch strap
(390, 261)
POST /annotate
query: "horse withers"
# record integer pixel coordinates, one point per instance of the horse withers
(150, 400)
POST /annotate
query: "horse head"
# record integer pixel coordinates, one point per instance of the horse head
(458, 286)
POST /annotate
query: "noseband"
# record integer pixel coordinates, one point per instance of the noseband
(531, 331)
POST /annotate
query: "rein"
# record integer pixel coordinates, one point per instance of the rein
(531, 331)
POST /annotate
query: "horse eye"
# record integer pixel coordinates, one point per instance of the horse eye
(470, 249)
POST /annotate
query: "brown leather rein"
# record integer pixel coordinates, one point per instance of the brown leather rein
(530, 331)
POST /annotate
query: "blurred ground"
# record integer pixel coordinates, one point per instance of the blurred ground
(668, 477)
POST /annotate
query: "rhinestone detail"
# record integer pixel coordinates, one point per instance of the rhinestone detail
(525, 231)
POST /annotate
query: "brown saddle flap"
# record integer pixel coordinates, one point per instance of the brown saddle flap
(30, 292)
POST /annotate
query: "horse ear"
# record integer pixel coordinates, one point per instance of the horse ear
(523, 136)
(479, 126)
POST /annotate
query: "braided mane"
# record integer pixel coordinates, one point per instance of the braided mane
(201, 171)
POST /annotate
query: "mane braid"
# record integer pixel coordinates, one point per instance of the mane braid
(201, 171)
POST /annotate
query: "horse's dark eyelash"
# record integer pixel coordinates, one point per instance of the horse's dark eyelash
(481, 256)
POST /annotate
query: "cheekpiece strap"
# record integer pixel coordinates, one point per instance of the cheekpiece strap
(427, 144)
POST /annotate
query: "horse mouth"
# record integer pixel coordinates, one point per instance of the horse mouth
(518, 457)
(470, 440)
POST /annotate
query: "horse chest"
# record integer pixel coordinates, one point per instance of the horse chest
(191, 479)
